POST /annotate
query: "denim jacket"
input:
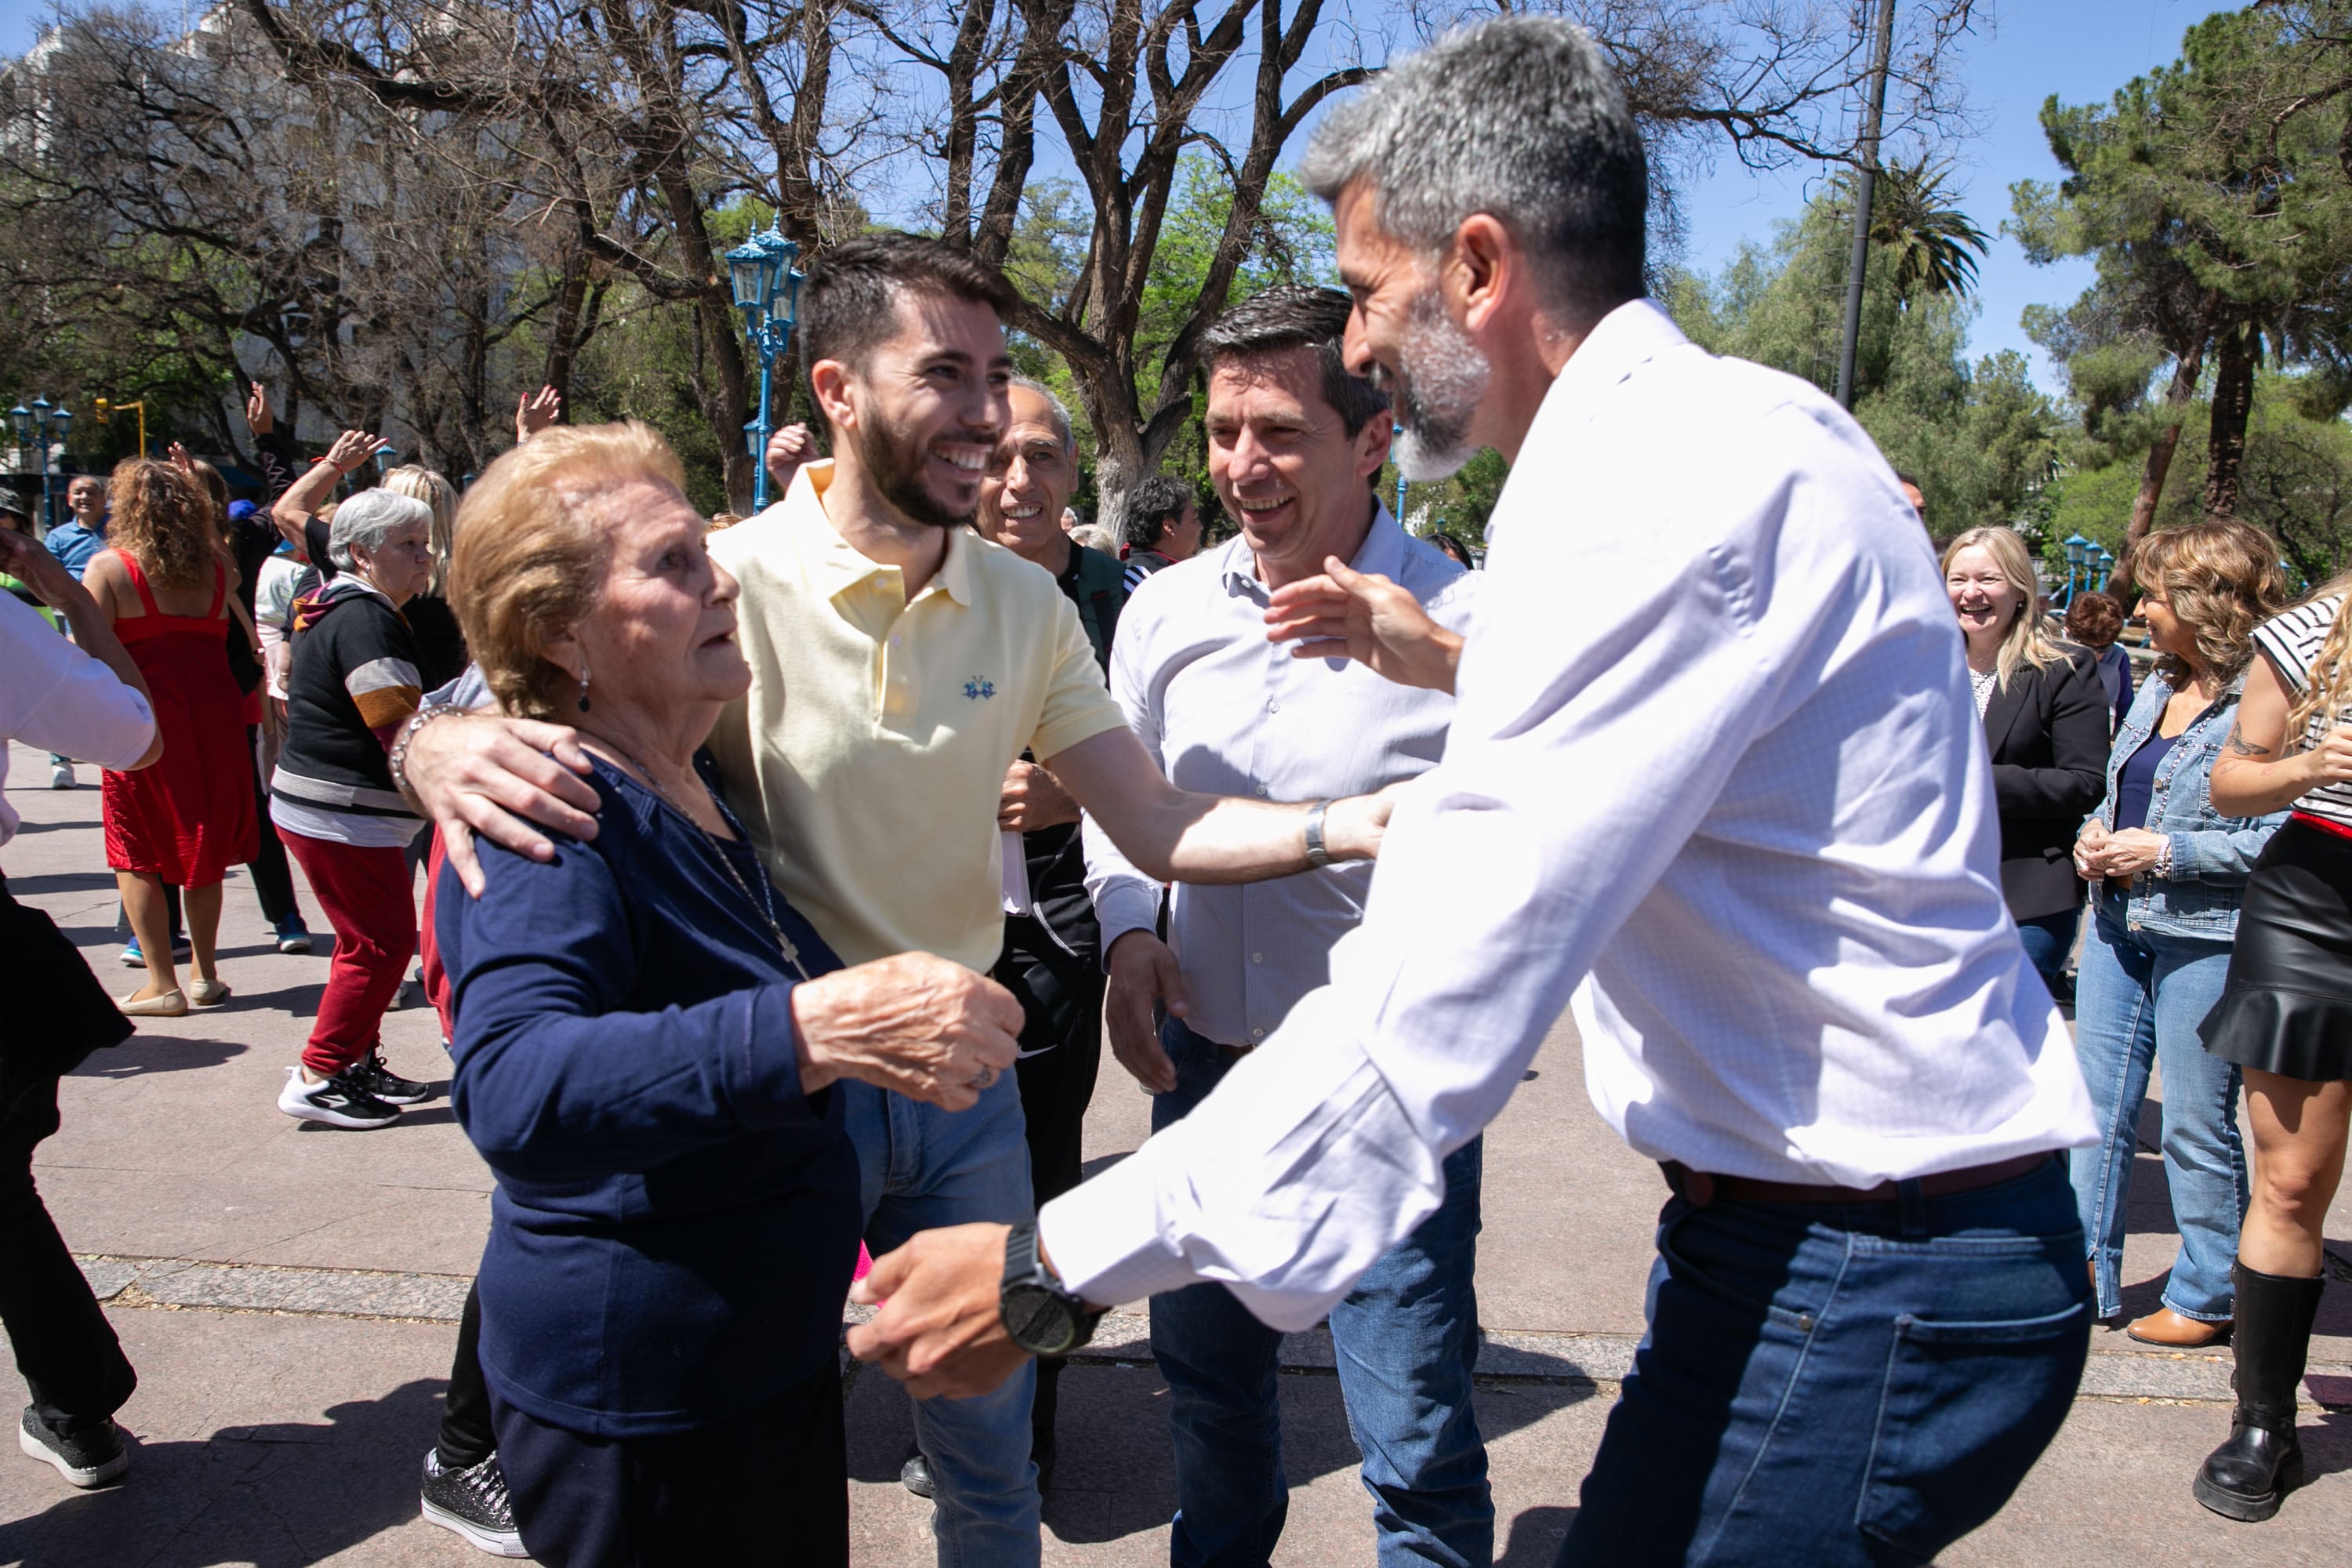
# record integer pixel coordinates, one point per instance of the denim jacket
(2211, 853)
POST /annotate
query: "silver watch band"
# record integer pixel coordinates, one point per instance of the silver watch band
(1317, 854)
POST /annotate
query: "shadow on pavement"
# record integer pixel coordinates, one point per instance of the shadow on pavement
(156, 1053)
(41, 882)
(279, 1496)
(1534, 1537)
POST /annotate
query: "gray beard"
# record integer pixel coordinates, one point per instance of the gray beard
(1443, 376)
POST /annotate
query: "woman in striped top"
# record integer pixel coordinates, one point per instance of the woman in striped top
(2285, 1016)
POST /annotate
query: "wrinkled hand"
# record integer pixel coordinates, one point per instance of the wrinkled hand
(487, 774)
(1354, 827)
(2091, 851)
(941, 1330)
(930, 1029)
(1142, 971)
(788, 448)
(535, 412)
(354, 447)
(1354, 614)
(29, 561)
(2130, 852)
(1032, 798)
(258, 418)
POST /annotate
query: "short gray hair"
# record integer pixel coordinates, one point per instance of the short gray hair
(1519, 118)
(1056, 409)
(370, 518)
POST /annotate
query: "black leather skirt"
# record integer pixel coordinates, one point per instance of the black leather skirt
(2287, 1007)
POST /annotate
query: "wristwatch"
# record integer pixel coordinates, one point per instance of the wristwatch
(1041, 1317)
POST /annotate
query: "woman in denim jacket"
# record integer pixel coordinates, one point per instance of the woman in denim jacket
(2167, 872)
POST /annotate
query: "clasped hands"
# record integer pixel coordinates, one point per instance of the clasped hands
(2099, 854)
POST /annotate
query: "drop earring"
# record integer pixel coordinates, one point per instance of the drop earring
(584, 689)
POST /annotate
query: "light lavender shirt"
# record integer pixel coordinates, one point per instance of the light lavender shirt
(1224, 712)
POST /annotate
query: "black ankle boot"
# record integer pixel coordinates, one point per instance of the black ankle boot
(2248, 1476)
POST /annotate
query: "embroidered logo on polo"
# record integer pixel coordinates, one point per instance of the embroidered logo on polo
(978, 689)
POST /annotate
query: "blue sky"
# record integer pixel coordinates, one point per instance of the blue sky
(2080, 49)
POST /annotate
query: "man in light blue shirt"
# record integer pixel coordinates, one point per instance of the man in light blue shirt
(1294, 443)
(74, 542)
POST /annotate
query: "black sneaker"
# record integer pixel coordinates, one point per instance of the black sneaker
(89, 1458)
(472, 1502)
(337, 1102)
(380, 1080)
(915, 1475)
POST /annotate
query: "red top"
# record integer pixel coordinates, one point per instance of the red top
(191, 815)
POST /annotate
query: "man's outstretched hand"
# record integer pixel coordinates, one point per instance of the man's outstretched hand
(939, 1331)
(1346, 613)
(496, 776)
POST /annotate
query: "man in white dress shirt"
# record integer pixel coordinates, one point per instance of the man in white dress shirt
(1294, 444)
(1714, 771)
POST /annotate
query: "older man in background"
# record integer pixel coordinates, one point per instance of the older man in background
(1053, 949)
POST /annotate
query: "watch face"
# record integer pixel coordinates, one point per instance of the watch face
(1039, 1321)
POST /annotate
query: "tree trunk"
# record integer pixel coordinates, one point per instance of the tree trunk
(2233, 401)
(2187, 367)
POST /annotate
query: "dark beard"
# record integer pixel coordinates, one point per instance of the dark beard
(894, 465)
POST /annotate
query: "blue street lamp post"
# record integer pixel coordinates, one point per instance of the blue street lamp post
(39, 427)
(2106, 567)
(1399, 430)
(767, 288)
(2078, 551)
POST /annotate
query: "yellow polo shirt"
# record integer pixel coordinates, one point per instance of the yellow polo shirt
(868, 757)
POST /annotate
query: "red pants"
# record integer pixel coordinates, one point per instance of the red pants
(367, 897)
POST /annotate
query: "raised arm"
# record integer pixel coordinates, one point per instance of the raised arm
(317, 483)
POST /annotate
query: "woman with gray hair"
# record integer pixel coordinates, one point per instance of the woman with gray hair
(353, 684)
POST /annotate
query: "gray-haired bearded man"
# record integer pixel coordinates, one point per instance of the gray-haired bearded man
(1715, 775)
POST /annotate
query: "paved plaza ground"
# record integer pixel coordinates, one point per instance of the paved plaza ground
(288, 1294)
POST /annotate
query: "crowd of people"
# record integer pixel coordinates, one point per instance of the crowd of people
(784, 876)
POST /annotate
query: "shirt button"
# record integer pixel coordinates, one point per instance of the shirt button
(1257, 1033)
(1261, 789)
(1257, 958)
(1273, 707)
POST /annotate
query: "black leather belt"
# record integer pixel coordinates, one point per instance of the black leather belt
(1700, 1188)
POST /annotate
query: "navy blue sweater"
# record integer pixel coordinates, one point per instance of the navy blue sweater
(676, 1222)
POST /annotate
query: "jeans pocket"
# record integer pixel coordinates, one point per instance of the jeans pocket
(1965, 1411)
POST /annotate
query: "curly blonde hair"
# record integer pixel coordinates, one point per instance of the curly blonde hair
(2221, 580)
(529, 566)
(161, 519)
(2028, 641)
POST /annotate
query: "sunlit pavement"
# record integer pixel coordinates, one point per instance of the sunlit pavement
(288, 1294)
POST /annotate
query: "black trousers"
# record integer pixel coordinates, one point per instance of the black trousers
(273, 883)
(466, 1434)
(1061, 997)
(769, 1486)
(65, 1347)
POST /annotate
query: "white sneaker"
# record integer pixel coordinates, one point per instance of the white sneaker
(61, 776)
(335, 1101)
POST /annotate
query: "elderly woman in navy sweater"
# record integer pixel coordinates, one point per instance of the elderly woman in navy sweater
(645, 1034)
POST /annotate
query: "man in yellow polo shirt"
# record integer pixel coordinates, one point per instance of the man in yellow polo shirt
(899, 664)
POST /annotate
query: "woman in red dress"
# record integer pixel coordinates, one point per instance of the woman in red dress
(164, 583)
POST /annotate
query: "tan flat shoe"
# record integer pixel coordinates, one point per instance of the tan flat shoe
(170, 1005)
(208, 993)
(2168, 1328)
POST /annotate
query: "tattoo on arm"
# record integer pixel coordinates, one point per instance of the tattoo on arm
(2241, 747)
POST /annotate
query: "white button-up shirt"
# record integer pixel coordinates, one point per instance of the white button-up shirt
(1713, 770)
(1224, 712)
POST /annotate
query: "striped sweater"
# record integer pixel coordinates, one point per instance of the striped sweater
(352, 685)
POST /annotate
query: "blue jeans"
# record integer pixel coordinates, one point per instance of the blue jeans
(1840, 1385)
(2049, 941)
(1406, 1342)
(920, 1168)
(2138, 1000)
